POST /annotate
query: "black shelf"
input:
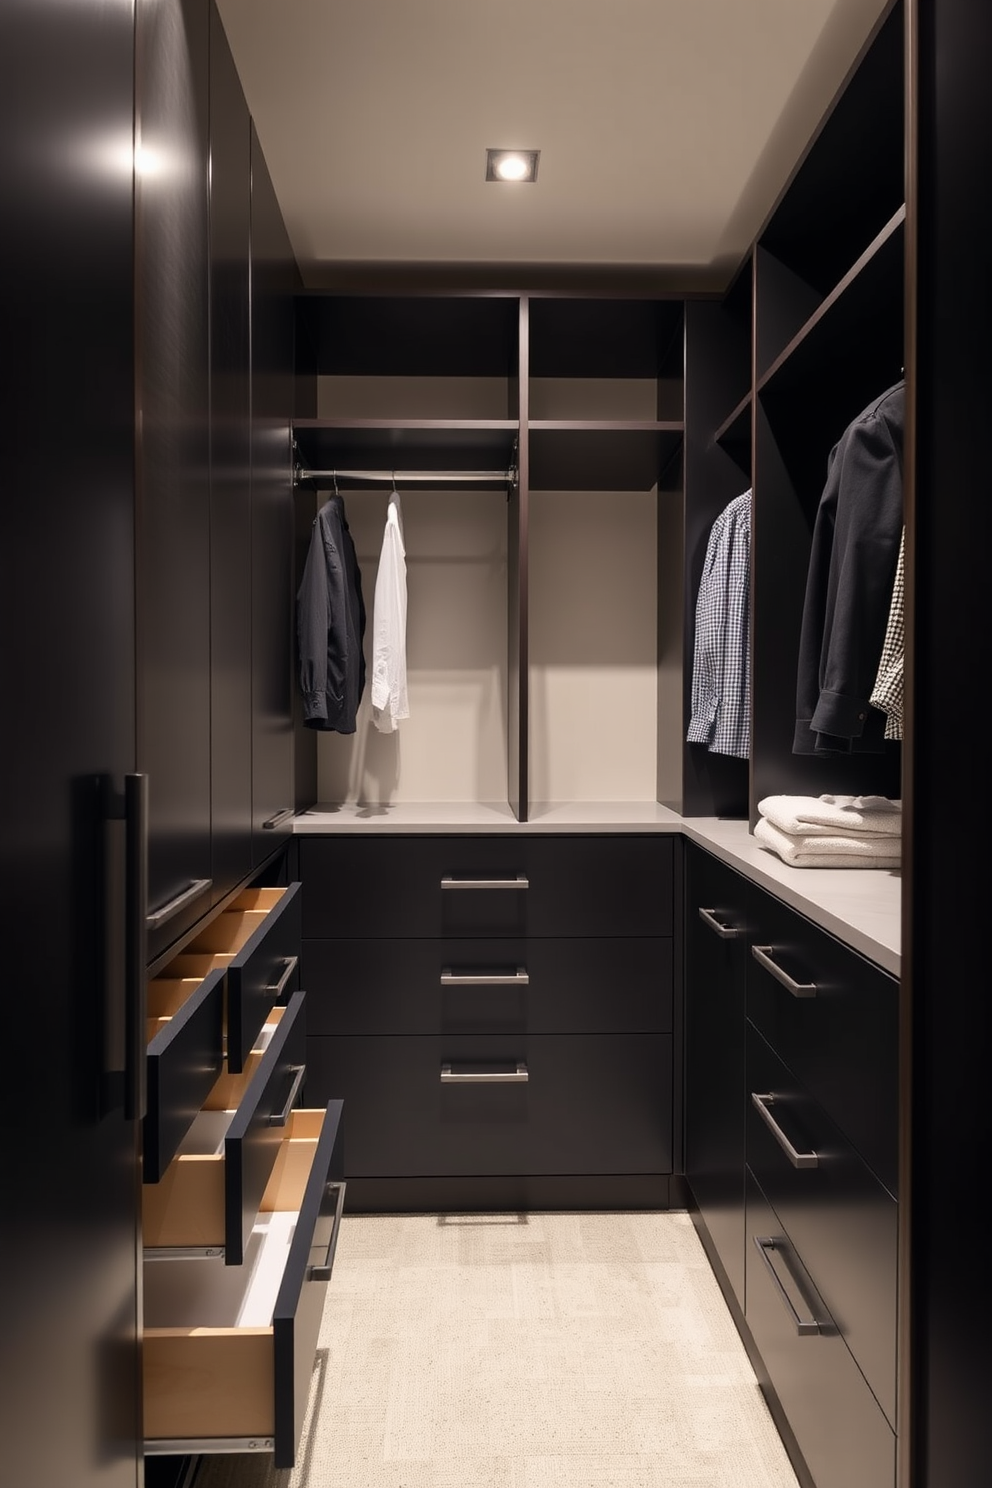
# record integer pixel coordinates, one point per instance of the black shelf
(605, 338)
(607, 456)
(412, 444)
(411, 336)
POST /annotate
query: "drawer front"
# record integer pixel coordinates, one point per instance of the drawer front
(209, 1196)
(838, 1216)
(184, 1059)
(265, 970)
(839, 1034)
(228, 1353)
(488, 986)
(843, 1436)
(591, 1104)
(467, 886)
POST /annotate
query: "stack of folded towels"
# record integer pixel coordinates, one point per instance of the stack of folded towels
(832, 831)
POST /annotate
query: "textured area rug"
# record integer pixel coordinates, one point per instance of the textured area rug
(525, 1351)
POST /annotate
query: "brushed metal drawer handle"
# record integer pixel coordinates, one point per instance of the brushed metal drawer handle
(168, 911)
(796, 1158)
(767, 1246)
(280, 1118)
(323, 1273)
(763, 955)
(276, 989)
(517, 1076)
(518, 978)
(275, 821)
(519, 882)
(725, 932)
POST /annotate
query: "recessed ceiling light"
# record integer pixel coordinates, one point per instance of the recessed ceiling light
(512, 165)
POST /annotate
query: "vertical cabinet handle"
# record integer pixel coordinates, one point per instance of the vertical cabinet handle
(135, 941)
(323, 1273)
(798, 1159)
(520, 881)
(276, 989)
(280, 1118)
(763, 955)
(768, 1247)
(725, 932)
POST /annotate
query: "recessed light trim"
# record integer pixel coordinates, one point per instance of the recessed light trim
(512, 165)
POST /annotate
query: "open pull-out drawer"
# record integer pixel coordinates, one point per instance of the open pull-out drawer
(257, 939)
(228, 1352)
(184, 1058)
(209, 1196)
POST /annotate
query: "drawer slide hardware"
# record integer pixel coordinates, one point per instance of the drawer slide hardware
(725, 932)
(768, 1246)
(796, 1158)
(323, 1273)
(182, 1252)
(518, 978)
(276, 989)
(519, 882)
(763, 956)
(160, 917)
(209, 1446)
(280, 1118)
(517, 1076)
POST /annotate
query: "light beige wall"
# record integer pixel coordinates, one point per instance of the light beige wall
(453, 745)
(593, 646)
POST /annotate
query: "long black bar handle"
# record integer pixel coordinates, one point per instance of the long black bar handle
(135, 942)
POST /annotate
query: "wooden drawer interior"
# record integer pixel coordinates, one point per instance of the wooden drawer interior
(186, 1206)
(208, 1358)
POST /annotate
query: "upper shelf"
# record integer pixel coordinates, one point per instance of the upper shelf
(412, 444)
(613, 456)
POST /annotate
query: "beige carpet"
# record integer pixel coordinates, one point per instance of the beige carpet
(525, 1351)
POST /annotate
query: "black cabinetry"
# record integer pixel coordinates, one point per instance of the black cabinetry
(69, 1295)
(173, 396)
(497, 1013)
(716, 900)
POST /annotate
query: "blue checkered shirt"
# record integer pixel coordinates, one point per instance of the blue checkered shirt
(721, 668)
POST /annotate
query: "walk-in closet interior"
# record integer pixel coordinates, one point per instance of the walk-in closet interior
(528, 946)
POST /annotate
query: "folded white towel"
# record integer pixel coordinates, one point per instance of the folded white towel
(829, 852)
(808, 816)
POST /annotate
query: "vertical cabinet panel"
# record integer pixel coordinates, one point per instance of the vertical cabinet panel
(230, 468)
(173, 462)
(714, 1017)
(272, 520)
(68, 1283)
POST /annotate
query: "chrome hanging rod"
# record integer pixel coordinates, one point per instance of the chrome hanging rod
(408, 477)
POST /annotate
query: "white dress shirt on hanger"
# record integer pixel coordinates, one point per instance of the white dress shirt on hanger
(389, 699)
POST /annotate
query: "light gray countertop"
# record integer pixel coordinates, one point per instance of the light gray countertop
(861, 906)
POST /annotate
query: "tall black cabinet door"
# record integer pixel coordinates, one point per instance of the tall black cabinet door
(715, 948)
(273, 280)
(174, 454)
(230, 468)
(69, 1412)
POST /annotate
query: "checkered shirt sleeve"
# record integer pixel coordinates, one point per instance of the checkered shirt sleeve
(887, 692)
(721, 671)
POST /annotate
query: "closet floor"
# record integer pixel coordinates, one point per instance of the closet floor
(525, 1351)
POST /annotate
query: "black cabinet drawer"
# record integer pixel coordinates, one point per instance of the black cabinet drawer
(590, 1104)
(227, 1359)
(841, 1220)
(467, 886)
(842, 1434)
(209, 1196)
(258, 939)
(488, 986)
(836, 1027)
(185, 1056)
